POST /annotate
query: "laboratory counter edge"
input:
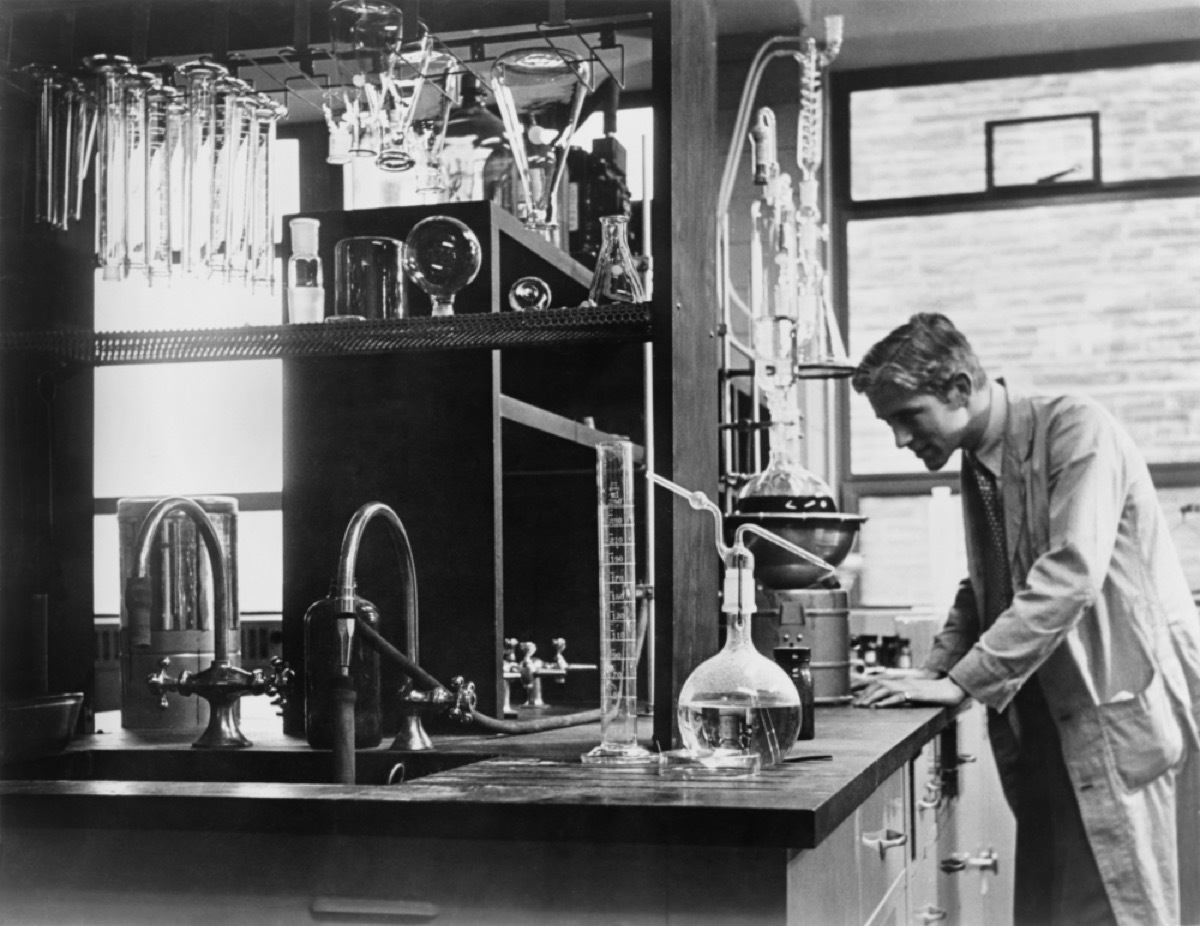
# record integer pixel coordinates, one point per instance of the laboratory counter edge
(476, 787)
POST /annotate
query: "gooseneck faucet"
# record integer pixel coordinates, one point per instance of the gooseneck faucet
(221, 684)
(458, 701)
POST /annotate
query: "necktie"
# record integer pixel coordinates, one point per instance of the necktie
(997, 581)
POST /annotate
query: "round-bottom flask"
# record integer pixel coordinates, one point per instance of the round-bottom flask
(738, 710)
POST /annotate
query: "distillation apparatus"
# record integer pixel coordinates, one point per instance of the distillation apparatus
(793, 334)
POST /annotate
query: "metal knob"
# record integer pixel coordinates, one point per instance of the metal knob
(884, 840)
(960, 861)
(933, 798)
(931, 914)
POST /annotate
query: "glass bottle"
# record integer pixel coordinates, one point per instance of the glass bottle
(322, 665)
(615, 278)
(797, 662)
(306, 286)
(738, 710)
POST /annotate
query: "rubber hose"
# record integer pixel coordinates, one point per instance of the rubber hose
(426, 682)
(343, 697)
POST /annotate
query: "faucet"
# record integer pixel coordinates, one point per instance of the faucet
(458, 701)
(221, 684)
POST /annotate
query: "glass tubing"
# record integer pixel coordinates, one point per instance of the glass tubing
(182, 174)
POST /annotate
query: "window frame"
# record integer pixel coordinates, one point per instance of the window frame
(844, 210)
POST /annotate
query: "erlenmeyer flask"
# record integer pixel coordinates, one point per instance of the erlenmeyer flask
(615, 278)
(442, 255)
(540, 92)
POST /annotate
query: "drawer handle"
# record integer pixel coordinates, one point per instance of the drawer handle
(985, 861)
(931, 914)
(966, 759)
(933, 798)
(887, 839)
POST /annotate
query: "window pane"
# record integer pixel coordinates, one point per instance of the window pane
(260, 563)
(189, 428)
(1101, 299)
(912, 549)
(1148, 118)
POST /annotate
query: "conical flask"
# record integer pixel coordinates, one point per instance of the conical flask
(615, 278)
(540, 93)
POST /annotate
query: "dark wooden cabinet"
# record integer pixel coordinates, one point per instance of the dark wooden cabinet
(458, 440)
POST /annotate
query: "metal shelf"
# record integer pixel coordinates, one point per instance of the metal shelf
(618, 323)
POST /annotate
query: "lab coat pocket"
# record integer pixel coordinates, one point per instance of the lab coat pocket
(1143, 734)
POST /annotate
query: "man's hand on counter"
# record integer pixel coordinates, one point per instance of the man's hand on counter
(898, 687)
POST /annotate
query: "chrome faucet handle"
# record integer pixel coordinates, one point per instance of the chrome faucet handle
(160, 683)
(279, 685)
(559, 646)
(465, 699)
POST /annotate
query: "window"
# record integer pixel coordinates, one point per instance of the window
(1090, 286)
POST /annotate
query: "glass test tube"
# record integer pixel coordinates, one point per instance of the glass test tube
(198, 164)
(160, 145)
(618, 609)
(110, 163)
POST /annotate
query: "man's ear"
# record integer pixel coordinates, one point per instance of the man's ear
(960, 390)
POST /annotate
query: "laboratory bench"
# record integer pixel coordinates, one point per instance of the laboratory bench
(137, 827)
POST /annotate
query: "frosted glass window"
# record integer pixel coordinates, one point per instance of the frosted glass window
(912, 548)
(1101, 299)
(1148, 119)
(189, 428)
(260, 563)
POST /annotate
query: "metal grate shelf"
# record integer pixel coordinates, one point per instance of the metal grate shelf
(626, 322)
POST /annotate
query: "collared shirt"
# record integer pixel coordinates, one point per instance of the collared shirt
(990, 452)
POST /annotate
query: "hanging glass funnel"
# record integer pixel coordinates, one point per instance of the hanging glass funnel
(363, 38)
(540, 93)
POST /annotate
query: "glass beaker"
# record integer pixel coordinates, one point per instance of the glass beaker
(442, 255)
(540, 93)
(367, 278)
(615, 278)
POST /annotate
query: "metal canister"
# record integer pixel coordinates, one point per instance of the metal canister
(818, 618)
(182, 618)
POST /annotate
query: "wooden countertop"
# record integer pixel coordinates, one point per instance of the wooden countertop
(528, 787)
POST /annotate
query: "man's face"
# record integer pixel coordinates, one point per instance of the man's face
(928, 425)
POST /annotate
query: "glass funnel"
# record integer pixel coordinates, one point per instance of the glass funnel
(442, 255)
(363, 37)
(540, 92)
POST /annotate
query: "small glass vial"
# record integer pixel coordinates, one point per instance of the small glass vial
(616, 277)
(306, 286)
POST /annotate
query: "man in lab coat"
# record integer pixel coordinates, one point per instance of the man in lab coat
(1076, 628)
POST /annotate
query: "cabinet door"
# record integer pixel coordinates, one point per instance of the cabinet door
(822, 883)
(976, 880)
(883, 841)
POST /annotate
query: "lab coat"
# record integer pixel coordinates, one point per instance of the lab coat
(1103, 614)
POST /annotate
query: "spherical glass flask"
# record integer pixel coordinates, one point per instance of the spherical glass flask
(442, 255)
(529, 294)
(738, 710)
(785, 485)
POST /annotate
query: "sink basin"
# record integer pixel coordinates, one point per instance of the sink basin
(37, 726)
(285, 766)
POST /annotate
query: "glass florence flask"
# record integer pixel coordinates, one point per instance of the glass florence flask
(442, 255)
(785, 485)
(615, 278)
(738, 710)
